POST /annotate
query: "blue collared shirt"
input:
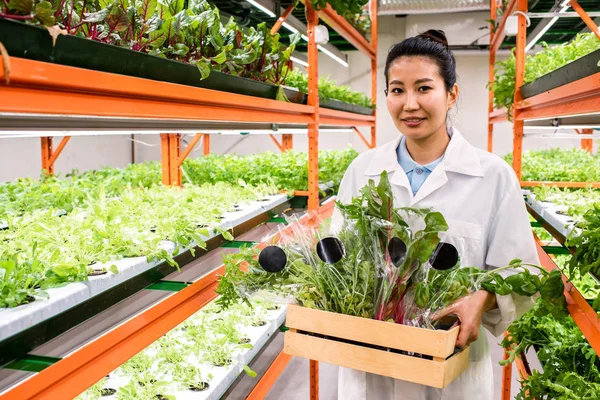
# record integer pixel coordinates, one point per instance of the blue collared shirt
(417, 174)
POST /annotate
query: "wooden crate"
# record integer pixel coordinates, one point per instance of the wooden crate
(362, 344)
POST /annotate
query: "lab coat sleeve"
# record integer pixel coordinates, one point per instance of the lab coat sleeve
(509, 237)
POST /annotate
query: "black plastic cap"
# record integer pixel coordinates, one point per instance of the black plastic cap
(397, 251)
(330, 250)
(444, 257)
(272, 259)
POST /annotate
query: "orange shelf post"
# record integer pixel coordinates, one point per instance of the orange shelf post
(500, 34)
(288, 142)
(587, 144)
(518, 125)
(313, 101)
(374, 44)
(490, 140)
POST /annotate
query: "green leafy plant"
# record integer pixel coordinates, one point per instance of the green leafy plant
(571, 369)
(19, 280)
(329, 90)
(559, 165)
(547, 60)
(341, 6)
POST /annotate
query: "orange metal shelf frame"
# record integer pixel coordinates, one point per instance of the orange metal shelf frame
(582, 313)
(45, 88)
(575, 98)
(347, 31)
(84, 367)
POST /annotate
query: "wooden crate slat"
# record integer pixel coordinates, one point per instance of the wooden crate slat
(413, 369)
(401, 337)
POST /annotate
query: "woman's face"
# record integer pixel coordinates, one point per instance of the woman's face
(417, 98)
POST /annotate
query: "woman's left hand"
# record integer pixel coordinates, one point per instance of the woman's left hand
(469, 311)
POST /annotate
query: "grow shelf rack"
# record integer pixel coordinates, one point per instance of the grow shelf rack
(573, 99)
(75, 101)
(103, 352)
(28, 326)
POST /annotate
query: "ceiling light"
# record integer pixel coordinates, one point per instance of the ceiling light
(262, 8)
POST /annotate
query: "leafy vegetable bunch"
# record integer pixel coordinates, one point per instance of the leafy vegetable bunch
(547, 60)
(403, 289)
(328, 89)
(136, 223)
(560, 165)
(345, 287)
(439, 289)
(184, 30)
(571, 368)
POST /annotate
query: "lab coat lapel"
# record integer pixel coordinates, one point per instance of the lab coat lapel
(386, 159)
(436, 180)
(460, 157)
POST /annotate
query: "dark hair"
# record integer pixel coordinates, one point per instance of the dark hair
(432, 44)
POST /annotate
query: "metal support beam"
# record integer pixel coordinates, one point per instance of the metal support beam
(282, 19)
(362, 137)
(293, 25)
(279, 145)
(586, 17)
(189, 148)
(49, 156)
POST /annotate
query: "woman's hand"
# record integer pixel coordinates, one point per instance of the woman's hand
(469, 311)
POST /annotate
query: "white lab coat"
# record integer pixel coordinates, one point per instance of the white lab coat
(480, 197)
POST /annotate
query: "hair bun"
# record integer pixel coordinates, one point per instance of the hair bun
(436, 35)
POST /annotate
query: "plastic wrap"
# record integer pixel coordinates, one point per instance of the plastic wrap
(386, 263)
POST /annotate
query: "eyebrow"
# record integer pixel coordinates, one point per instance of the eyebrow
(397, 82)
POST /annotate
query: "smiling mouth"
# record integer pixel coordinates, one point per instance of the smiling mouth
(412, 121)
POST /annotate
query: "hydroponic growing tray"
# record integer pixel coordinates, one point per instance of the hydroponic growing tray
(223, 377)
(571, 72)
(553, 214)
(35, 43)
(376, 347)
(18, 319)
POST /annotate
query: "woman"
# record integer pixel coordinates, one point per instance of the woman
(431, 165)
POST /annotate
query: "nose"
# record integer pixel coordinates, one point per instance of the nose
(411, 102)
